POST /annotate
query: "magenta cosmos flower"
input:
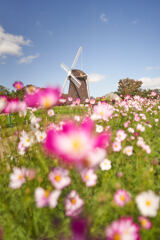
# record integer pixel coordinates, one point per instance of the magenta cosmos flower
(121, 197)
(77, 144)
(43, 98)
(123, 229)
(18, 85)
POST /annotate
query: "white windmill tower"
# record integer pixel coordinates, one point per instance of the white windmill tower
(78, 86)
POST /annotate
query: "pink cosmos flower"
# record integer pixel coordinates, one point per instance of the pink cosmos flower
(17, 178)
(75, 144)
(73, 204)
(116, 146)
(140, 127)
(123, 229)
(50, 112)
(44, 197)
(89, 177)
(137, 118)
(31, 89)
(18, 85)
(92, 101)
(3, 103)
(78, 101)
(153, 94)
(21, 148)
(70, 99)
(102, 111)
(128, 150)
(126, 124)
(120, 135)
(43, 98)
(59, 177)
(145, 222)
(121, 197)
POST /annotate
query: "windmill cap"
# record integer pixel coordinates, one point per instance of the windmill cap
(79, 74)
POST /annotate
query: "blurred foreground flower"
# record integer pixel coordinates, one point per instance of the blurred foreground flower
(43, 98)
(77, 144)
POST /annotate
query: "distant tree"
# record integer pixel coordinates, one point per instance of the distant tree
(129, 86)
(4, 91)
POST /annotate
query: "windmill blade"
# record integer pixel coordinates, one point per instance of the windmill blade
(65, 82)
(65, 68)
(76, 57)
(75, 80)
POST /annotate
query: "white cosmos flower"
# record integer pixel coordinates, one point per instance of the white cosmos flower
(17, 178)
(105, 164)
(99, 128)
(40, 136)
(128, 150)
(50, 112)
(148, 203)
(25, 139)
(140, 127)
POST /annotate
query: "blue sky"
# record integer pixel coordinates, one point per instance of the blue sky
(120, 38)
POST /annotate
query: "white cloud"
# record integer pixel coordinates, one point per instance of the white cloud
(149, 68)
(103, 17)
(28, 59)
(95, 77)
(11, 44)
(150, 82)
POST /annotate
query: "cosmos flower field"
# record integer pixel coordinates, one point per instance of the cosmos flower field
(86, 171)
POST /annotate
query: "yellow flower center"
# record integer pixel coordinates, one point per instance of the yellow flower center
(73, 200)
(101, 113)
(27, 140)
(143, 222)
(122, 197)
(31, 89)
(57, 178)
(18, 86)
(117, 237)
(46, 194)
(86, 177)
(47, 102)
(148, 203)
(20, 177)
(77, 145)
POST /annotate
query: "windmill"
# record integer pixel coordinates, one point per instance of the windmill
(78, 85)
